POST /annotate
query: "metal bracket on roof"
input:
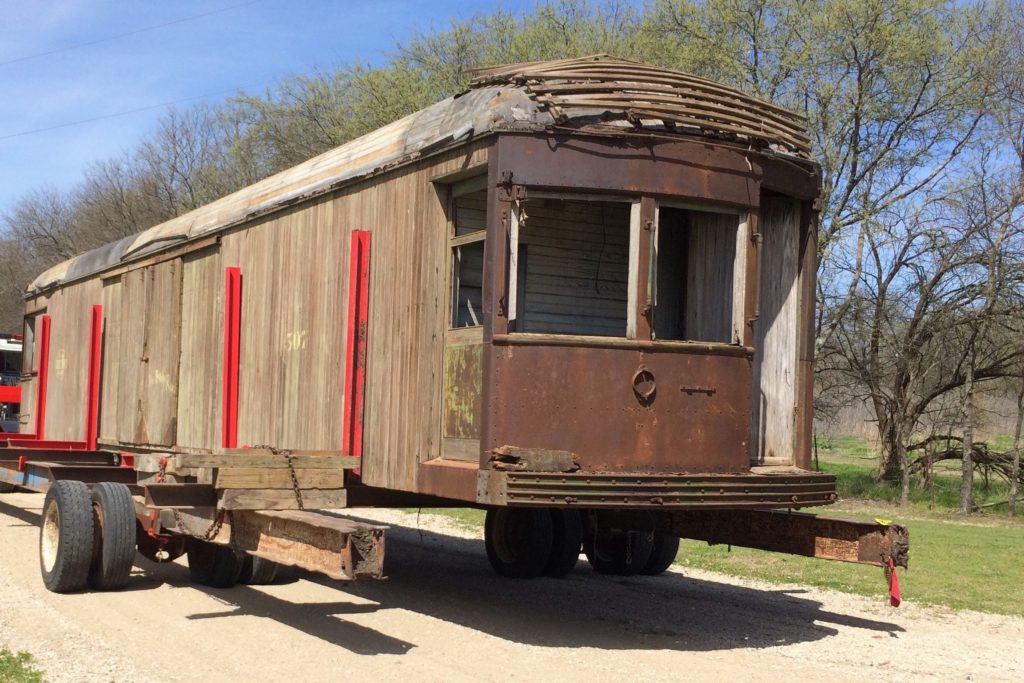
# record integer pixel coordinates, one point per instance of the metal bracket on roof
(508, 191)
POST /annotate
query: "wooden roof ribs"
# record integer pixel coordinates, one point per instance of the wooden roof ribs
(736, 115)
(569, 93)
(640, 90)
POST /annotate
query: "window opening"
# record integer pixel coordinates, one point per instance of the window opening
(696, 261)
(572, 266)
(468, 230)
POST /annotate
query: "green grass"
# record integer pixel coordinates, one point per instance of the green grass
(17, 668)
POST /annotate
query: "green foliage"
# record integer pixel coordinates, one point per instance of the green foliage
(17, 668)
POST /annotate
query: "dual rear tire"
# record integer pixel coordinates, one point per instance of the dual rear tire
(219, 566)
(530, 542)
(523, 543)
(87, 538)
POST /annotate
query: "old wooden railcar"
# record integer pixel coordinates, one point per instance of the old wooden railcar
(579, 294)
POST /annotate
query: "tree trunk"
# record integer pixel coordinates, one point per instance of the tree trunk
(967, 470)
(890, 468)
(904, 478)
(1011, 498)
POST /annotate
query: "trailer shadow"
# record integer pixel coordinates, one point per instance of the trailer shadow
(322, 620)
(449, 578)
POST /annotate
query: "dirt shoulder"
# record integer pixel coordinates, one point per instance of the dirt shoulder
(443, 615)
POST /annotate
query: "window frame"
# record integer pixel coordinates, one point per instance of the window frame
(514, 287)
(458, 189)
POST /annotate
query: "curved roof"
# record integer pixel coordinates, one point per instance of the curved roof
(596, 91)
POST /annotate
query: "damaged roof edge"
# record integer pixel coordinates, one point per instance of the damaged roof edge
(532, 96)
(470, 115)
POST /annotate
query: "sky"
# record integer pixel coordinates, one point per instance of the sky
(71, 69)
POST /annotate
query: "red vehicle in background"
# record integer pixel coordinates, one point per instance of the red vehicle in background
(10, 372)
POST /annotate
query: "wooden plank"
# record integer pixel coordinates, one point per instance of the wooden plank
(337, 547)
(278, 478)
(335, 462)
(202, 328)
(282, 499)
(461, 449)
(161, 355)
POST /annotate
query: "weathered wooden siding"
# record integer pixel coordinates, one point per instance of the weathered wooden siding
(161, 373)
(148, 354)
(202, 339)
(292, 328)
(69, 311)
(294, 295)
(775, 340)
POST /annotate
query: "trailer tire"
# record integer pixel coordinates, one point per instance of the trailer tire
(566, 543)
(211, 564)
(620, 552)
(66, 536)
(114, 553)
(257, 571)
(663, 553)
(518, 541)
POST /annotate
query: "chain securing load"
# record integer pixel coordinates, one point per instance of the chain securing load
(179, 519)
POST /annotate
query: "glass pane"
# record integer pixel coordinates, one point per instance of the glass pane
(467, 284)
(470, 213)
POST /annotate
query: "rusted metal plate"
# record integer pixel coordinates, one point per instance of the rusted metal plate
(514, 458)
(659, 492)
(683, 169)
(797, 534)
(462, 384)
(335, 546)
(583, 400)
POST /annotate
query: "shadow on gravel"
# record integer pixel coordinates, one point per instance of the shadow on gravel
(448, 578)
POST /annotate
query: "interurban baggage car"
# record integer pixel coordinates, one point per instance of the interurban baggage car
(579, 294)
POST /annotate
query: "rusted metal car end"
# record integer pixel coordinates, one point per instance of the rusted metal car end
(795, 533)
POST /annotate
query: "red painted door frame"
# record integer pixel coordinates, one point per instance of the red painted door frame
(232, 330)
(43, 358)
(355, 344)
(92, 394)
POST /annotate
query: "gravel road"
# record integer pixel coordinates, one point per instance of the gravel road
(443, 616)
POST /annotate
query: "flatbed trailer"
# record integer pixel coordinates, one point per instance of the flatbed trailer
(579, 295)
